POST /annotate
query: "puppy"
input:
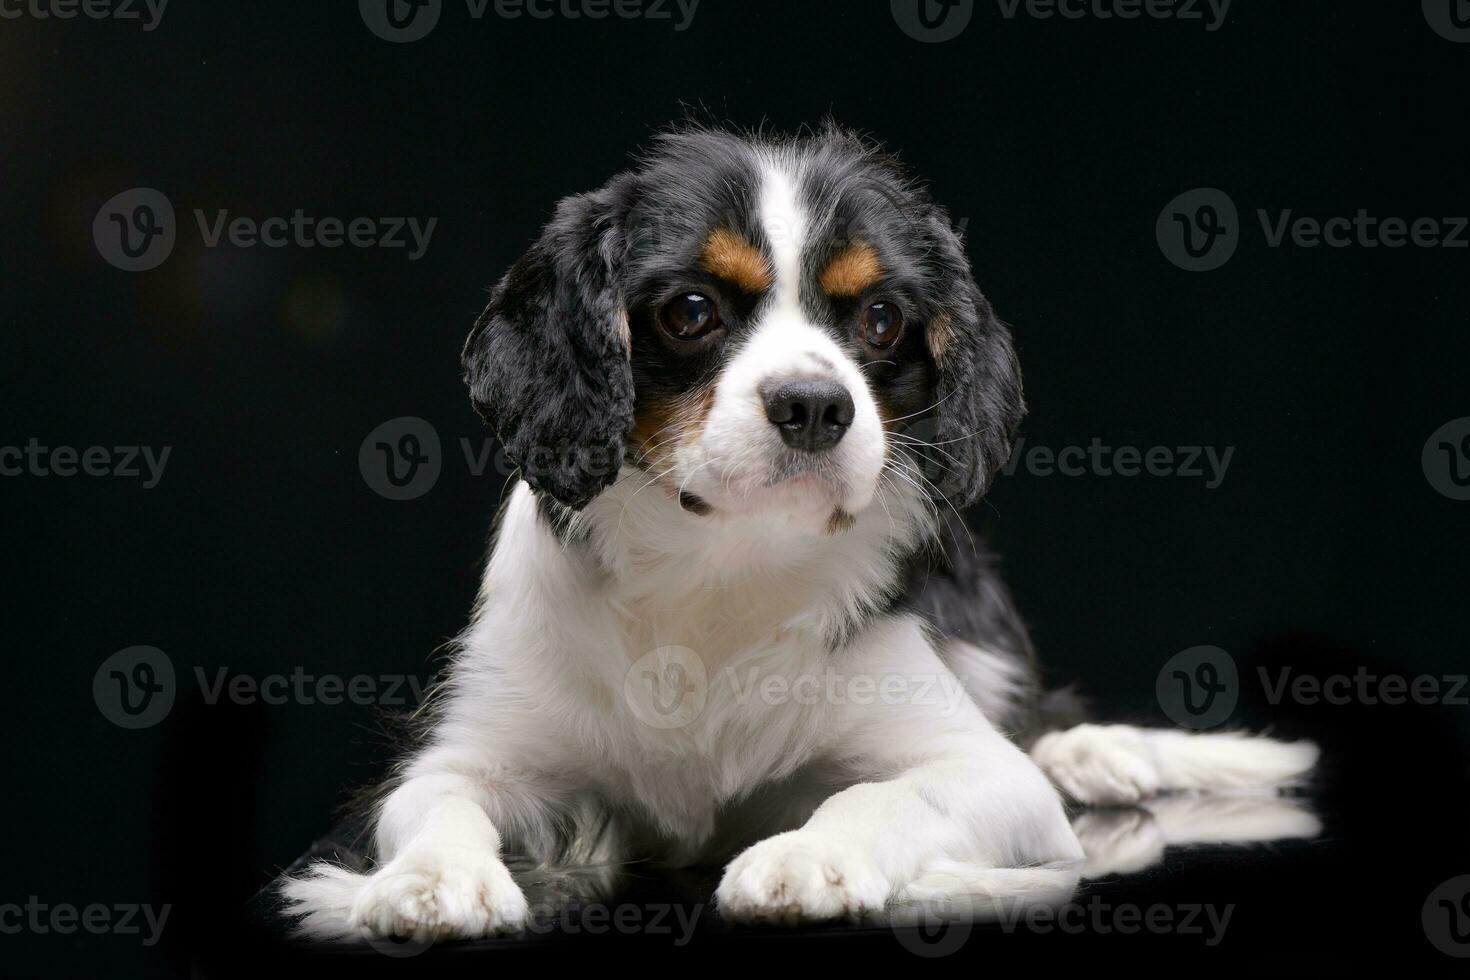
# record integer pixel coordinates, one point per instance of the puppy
(732, 607)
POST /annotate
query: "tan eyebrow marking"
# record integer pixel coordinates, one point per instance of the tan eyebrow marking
(731, 257)
(851, 270)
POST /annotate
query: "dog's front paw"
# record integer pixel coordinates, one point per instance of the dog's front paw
(800, 876)
(434, 895)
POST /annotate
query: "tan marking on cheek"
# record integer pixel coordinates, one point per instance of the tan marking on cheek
(661, 427)
(731, 257)
(851, 271)
(650, 425)
(940, 337)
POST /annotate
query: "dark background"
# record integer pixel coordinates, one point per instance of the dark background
(1056, 142)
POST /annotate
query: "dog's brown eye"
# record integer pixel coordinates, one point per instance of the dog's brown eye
(689, 317)
(882, 323)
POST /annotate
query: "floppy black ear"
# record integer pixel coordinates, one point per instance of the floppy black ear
(978, 395)
(547, 362)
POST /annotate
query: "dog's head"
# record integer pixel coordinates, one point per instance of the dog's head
(762, 326)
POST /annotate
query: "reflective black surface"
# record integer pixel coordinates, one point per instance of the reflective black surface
(1334, 880)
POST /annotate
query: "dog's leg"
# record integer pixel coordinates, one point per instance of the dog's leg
(439, 873)
(1121, 764)
(942, 786)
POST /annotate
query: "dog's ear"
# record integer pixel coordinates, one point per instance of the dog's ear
(978, 397)
(547, 363)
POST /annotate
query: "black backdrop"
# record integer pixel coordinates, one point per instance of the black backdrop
(1056, 141)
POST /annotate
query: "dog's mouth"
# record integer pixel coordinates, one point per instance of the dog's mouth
(809, 486)
(694, 504)
(808, 497)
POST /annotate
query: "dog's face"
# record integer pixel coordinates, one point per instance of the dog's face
(760, 326)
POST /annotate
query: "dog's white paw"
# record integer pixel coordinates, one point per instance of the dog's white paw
(1107, 764)
(440, 894)
(800, 876)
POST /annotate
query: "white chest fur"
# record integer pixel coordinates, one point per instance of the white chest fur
(674, 667)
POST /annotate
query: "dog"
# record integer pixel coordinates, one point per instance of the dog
(732, 607)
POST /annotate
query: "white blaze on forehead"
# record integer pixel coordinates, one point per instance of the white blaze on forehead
(739, 462)
(784, 223)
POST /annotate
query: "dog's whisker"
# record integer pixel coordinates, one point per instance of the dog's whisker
(923, 411)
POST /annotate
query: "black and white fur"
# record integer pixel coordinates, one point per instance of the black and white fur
(618, 557)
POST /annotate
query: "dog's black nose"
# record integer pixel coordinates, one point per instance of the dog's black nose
(812, 413)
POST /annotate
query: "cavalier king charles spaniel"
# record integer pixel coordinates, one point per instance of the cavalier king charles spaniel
(732, 612)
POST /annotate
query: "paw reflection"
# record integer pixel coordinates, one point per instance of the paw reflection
(1127, 841)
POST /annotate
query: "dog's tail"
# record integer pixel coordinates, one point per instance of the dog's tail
(320, 898)
(1122, 764)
